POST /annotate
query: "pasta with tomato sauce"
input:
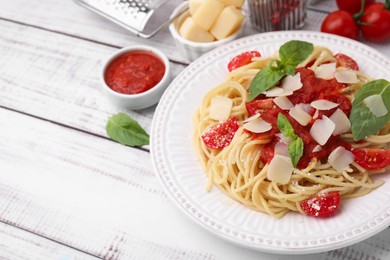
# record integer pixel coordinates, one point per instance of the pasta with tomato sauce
(282, 133)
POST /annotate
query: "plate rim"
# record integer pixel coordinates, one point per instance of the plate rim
(155, 151)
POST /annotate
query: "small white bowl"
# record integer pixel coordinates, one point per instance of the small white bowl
(144, 99)
(193, 50)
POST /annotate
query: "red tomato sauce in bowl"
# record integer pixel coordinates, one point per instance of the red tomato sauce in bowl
(134, 72)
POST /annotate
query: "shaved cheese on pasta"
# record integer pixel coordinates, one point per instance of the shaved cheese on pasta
(317, 148)
(316, 114)
(257, 126)
(322, 129)
(341, 121)
(220, 108)
(274, 92)
(292, 82)
(376, 105)
(280, 169)
(283, 138)
(346, 76)
(323, 104)
(281, 149)
(252, 118)
(300, 115)
(283, 102)
(340, 158)
(326, 71)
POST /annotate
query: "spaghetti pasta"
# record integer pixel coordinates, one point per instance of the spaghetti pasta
(238, 169)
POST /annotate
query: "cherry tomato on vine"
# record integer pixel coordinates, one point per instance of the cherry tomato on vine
(340, 23)
(372, 159)
(352, 6)
(242, 59)
(322, 205)
(346, 61)
(376, 22)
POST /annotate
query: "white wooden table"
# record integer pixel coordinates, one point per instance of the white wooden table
(66, 190)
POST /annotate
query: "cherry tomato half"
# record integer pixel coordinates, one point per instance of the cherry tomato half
(372, 159)
(322, 205)
(346, 61)
(340, 23)
(221, 135)
(352, 6)
(377, 18)
(242, 59)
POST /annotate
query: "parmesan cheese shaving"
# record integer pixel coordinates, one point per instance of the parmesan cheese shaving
(322, 129)
(317, 148)
(280, 169)
(326, 71)
(376, 105)
(220, 108)
(274, 92)
(340, 158)
(252, 118)
(281, 149)
(323, 104)
(258, 125)
(292, 82)
(283, 102)
(300, 115)
(346, 76)
(341, 121)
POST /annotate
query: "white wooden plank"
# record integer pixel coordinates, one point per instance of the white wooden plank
(56, 77)
(70, 18)
(102, 198)
(67, 17)
(17, 244)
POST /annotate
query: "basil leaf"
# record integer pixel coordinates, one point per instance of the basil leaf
(285, 127)
(125, 130)
(290, 70)
(363, 121)
(295, 150)
(294, 52)
(264, 79)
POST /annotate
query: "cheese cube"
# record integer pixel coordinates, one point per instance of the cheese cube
(236, 3)
(194, 6)
(208, 13)
(192, 32)
(227, 23)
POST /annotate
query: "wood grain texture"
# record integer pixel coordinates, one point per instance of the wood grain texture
(69, 18)
(16, 244)
(56, 77)
(103, 198)
(66, 17)
(85, 192)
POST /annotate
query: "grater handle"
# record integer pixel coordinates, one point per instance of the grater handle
(147, 36)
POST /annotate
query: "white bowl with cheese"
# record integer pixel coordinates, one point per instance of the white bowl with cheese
(191, 49)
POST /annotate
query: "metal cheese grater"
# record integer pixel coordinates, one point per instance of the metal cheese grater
(142, 17)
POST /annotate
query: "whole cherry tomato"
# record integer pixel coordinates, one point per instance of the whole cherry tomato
(341, 23)
(352, 6)
(377, 18)
(372, 159)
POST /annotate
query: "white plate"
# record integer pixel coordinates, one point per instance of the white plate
(181, 174)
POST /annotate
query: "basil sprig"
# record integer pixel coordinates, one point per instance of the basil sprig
(295, 148)
(291, 54)
(125, 130)
(363, 121)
